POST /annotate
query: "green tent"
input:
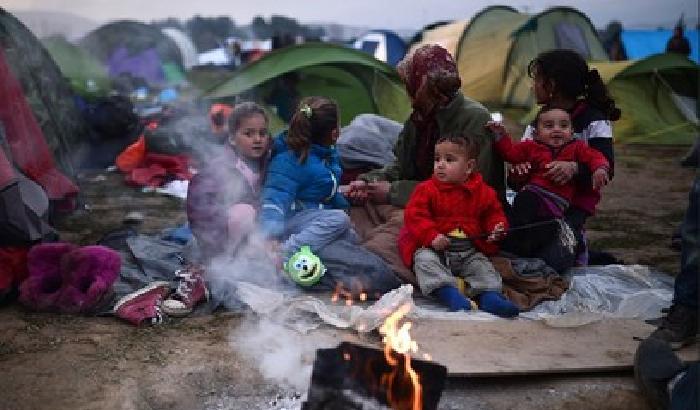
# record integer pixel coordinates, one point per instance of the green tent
(658, 98)
(356, 80)
(86, 75)
(493, 49)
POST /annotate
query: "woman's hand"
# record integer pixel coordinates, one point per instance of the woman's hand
(561, 172)
(497, 233)
(600, 178)
(440, 243)
(378, 192)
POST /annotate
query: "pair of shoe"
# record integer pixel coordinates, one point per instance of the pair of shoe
(679, 327)
(154, 302)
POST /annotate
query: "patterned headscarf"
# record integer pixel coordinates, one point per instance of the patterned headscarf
(434, 62)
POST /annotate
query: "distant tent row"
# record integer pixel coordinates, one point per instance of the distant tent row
(644, 43)
(356, 80)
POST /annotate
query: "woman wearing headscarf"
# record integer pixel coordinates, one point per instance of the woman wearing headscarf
(439, 108)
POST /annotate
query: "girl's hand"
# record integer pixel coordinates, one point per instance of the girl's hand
(440, 243)
(498, 232)
(498, 129)
(561, 172)
(600, 178)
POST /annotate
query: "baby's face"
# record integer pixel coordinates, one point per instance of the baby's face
(554, 127)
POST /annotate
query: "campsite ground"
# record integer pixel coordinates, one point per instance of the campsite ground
(67, 362)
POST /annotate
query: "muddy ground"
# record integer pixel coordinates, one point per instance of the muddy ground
(65, 362)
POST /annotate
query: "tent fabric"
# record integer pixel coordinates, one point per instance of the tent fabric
(368, 141)
(139, 43)
(648, 92)
(356, 81)
(493, 49)
(87, 76)
(644, 43)
(26, 140)
(188, 52)
(384, 45)
(47, 93)
(145, 64)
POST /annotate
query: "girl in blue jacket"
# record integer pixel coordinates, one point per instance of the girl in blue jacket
(301, 201)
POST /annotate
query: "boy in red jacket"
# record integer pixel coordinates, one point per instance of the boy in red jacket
(443, 234)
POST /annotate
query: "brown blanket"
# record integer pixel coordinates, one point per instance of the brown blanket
(378, 226)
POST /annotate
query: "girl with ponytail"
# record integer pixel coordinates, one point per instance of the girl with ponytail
(301, 201)
(562, 78)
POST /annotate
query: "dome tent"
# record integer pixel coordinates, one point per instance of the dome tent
(46, 90)
(87, 76)
(357, 81)
(658, 97)
(188, 52)
(493, 49)
(384, 45)
(129, 47)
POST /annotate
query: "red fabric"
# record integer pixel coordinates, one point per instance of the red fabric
(437, 208)
(26, 140)
(13, 266)
(157, 168)
(132, 156)
(224, 110)
(7, 174)
(539, 154)
(428, 59)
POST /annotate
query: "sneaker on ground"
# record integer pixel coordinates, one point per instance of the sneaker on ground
(679, 327)
(190, 291)
(144, 305)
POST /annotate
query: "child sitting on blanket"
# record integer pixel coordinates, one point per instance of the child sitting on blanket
(445, 222)
(302, 206)
(541, 199)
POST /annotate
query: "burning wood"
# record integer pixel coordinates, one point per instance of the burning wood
(350, 372)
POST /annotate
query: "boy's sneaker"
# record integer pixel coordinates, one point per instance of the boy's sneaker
(144, 305)
(655, 365)
(679, 327)
(190, 291)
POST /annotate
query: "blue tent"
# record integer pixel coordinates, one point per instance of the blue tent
(384, 45)
(643, 43)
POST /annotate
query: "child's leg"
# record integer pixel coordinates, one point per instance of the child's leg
(435, 279)
(527, 209)
(241, 221)
(315, 228)
(485, 284)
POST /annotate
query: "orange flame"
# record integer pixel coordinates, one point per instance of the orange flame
(398, 339)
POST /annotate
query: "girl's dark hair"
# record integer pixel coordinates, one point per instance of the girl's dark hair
(572, 78)
(312, 123)
(468, 143)
(241, 111)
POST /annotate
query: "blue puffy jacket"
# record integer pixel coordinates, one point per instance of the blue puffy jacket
(291, 186)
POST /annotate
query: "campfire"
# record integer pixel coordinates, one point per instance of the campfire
(350, 376)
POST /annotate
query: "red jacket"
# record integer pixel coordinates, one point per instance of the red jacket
(539, 154)
(438, 207)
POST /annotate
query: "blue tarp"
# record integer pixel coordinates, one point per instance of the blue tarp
(643, 43)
